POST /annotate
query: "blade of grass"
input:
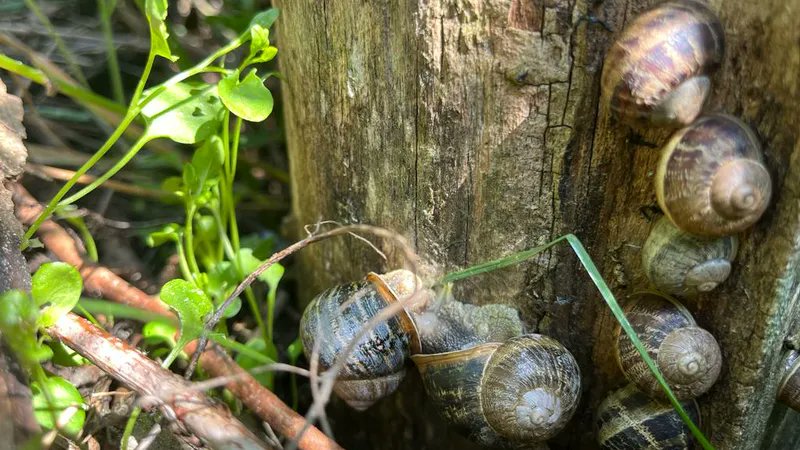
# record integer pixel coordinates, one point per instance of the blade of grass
(106, 9)
(605, 292)
(69, 57)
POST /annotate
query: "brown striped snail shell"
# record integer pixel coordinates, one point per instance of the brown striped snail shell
(688, 356)
(711, 179)
(658, 68)
(629, 420)
(789, 390)
(683, 264)
(376, 365)
(521, 391)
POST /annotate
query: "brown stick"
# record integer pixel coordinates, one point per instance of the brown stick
(212, 423)
(283, 419)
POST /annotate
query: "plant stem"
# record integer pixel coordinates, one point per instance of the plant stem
(129, 425)
(114, 74)
(62, 47)
(188, 237)
(79, 94)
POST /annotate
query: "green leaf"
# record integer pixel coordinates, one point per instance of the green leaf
(259, 39)
(222, 280)
(58, 285)
(265, 19)
(156, 13)
(65, 356)
(294, 350)
(207, 164)
(272, 276)
(170, 233)
(248, 99)
(18, 316)
(156, 333)
(186, 112)
(51, 399)
(192, 306)
(257, 355)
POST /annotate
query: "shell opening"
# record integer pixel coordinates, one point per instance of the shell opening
(741, 189)
(685, 102)
(537, 408)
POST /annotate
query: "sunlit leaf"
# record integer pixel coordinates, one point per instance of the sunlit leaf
(192, 306)
(170, 233)
(53, 401)
(187, 113)
(156, 13)
(18, 317)
(248, 98)
(155, 333)
(57, 285)
(265, 19)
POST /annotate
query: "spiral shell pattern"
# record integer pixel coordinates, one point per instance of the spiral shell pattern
(376, 365)
(629, 420)
(682, 264)
(711, 179)
(688, 356)
(789, 391)
(658, 68)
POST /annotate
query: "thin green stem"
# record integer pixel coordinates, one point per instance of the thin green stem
(188, 237)
(182, 262)
(607, 295)
(129, 425)
(106, 10)
(60, 45)
(110, 173)
(77, 93)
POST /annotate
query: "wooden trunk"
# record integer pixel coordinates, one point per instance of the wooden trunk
(476, 129)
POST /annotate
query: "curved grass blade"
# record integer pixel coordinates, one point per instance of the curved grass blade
(605, 292)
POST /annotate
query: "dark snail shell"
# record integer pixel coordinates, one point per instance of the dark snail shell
(522, 391)
(682, 264)
(711, 179)
(658, 68)
(377, 364)
(688, 356)
(789, 390)
(629, 420)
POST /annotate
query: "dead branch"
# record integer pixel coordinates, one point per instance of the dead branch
(102, 281)
(211, 422)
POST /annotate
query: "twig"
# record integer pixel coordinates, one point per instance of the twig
(57, 173)
(102, 281)
(192, 408)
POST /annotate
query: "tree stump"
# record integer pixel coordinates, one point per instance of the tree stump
(476, 129)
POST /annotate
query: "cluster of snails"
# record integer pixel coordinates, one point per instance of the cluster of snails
(499, 388)
(711, 183)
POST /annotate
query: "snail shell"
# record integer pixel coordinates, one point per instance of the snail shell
(688, 356)
(522, 391)
(711, 180)
(629, 420)
(658, 68)
(789, 391)
(682, 264)
(377, 364)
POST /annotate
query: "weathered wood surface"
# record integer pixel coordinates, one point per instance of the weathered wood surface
(476, 128)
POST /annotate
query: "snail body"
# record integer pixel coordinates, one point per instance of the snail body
(682, 264)
(629, 420)
(658, 68)
(789, 390)
(711, 179)
(376, 365)
(520, 391)
(688, 356)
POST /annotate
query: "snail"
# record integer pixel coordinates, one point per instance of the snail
(789, 390)
(682, 264)
(711, 179)
(501, 394)
(688, 356)
(628, 420)
(658, 68)
(376, 365)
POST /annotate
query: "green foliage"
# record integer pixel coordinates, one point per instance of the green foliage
(248, 98)
(192, 306)
(187, 112)
(255, 358)
(18, 324)
(57, 286)
(57, 402)
(156, 13)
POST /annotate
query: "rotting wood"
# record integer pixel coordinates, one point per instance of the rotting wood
(476, 129)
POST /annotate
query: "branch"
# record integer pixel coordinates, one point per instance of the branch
(105, 283)
(176, 397)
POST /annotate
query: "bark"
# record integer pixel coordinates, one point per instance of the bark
(476, 129)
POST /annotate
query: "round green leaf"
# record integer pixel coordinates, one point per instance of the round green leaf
(192, 306)
(58, 285)
(187, 113)
(248, 99)
(156, 13)
(62, 395)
